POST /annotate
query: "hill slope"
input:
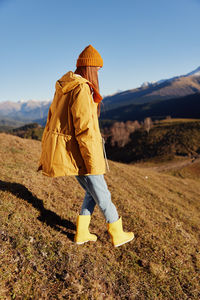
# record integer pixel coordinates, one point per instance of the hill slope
(39, 260)
(164, 140)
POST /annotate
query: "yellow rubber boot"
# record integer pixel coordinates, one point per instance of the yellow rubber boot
(119, 237)
(82, 232)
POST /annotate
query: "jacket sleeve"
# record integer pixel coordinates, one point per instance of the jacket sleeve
(84, 128)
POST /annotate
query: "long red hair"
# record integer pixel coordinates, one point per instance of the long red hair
(91, 74)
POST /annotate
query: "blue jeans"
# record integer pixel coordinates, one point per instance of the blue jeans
(97, 193)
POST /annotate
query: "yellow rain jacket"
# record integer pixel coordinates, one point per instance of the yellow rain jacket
(72, 142)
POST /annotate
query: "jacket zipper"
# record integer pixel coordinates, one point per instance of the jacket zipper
(104, 151)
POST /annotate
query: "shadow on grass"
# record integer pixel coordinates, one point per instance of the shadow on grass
(46, 216)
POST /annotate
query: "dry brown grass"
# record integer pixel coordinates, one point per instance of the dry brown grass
(38, 259)
(191, 171)
(175, 120)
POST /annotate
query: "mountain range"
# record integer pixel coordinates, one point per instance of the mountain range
(171, 88)
(24, 110)
(132, 104)
(176, 97)
(179, 107)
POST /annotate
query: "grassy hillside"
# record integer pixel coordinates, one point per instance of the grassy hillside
(29, 131)
(38, 259)
(191, 171)
(165, 140)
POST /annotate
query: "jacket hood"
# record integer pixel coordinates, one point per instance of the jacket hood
(69, 81)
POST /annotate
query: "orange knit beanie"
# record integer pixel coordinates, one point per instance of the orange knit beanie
(89, 57)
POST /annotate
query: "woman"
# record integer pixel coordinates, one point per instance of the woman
(72, 144)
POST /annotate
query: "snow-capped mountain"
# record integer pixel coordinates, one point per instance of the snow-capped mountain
(147, 84)
(24, 110)
(196, 72)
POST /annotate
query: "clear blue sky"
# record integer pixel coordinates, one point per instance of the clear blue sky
(139, 40)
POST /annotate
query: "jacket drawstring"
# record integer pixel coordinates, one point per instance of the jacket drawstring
(104, 151)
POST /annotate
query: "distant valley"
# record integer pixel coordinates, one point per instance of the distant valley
(164, 140)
